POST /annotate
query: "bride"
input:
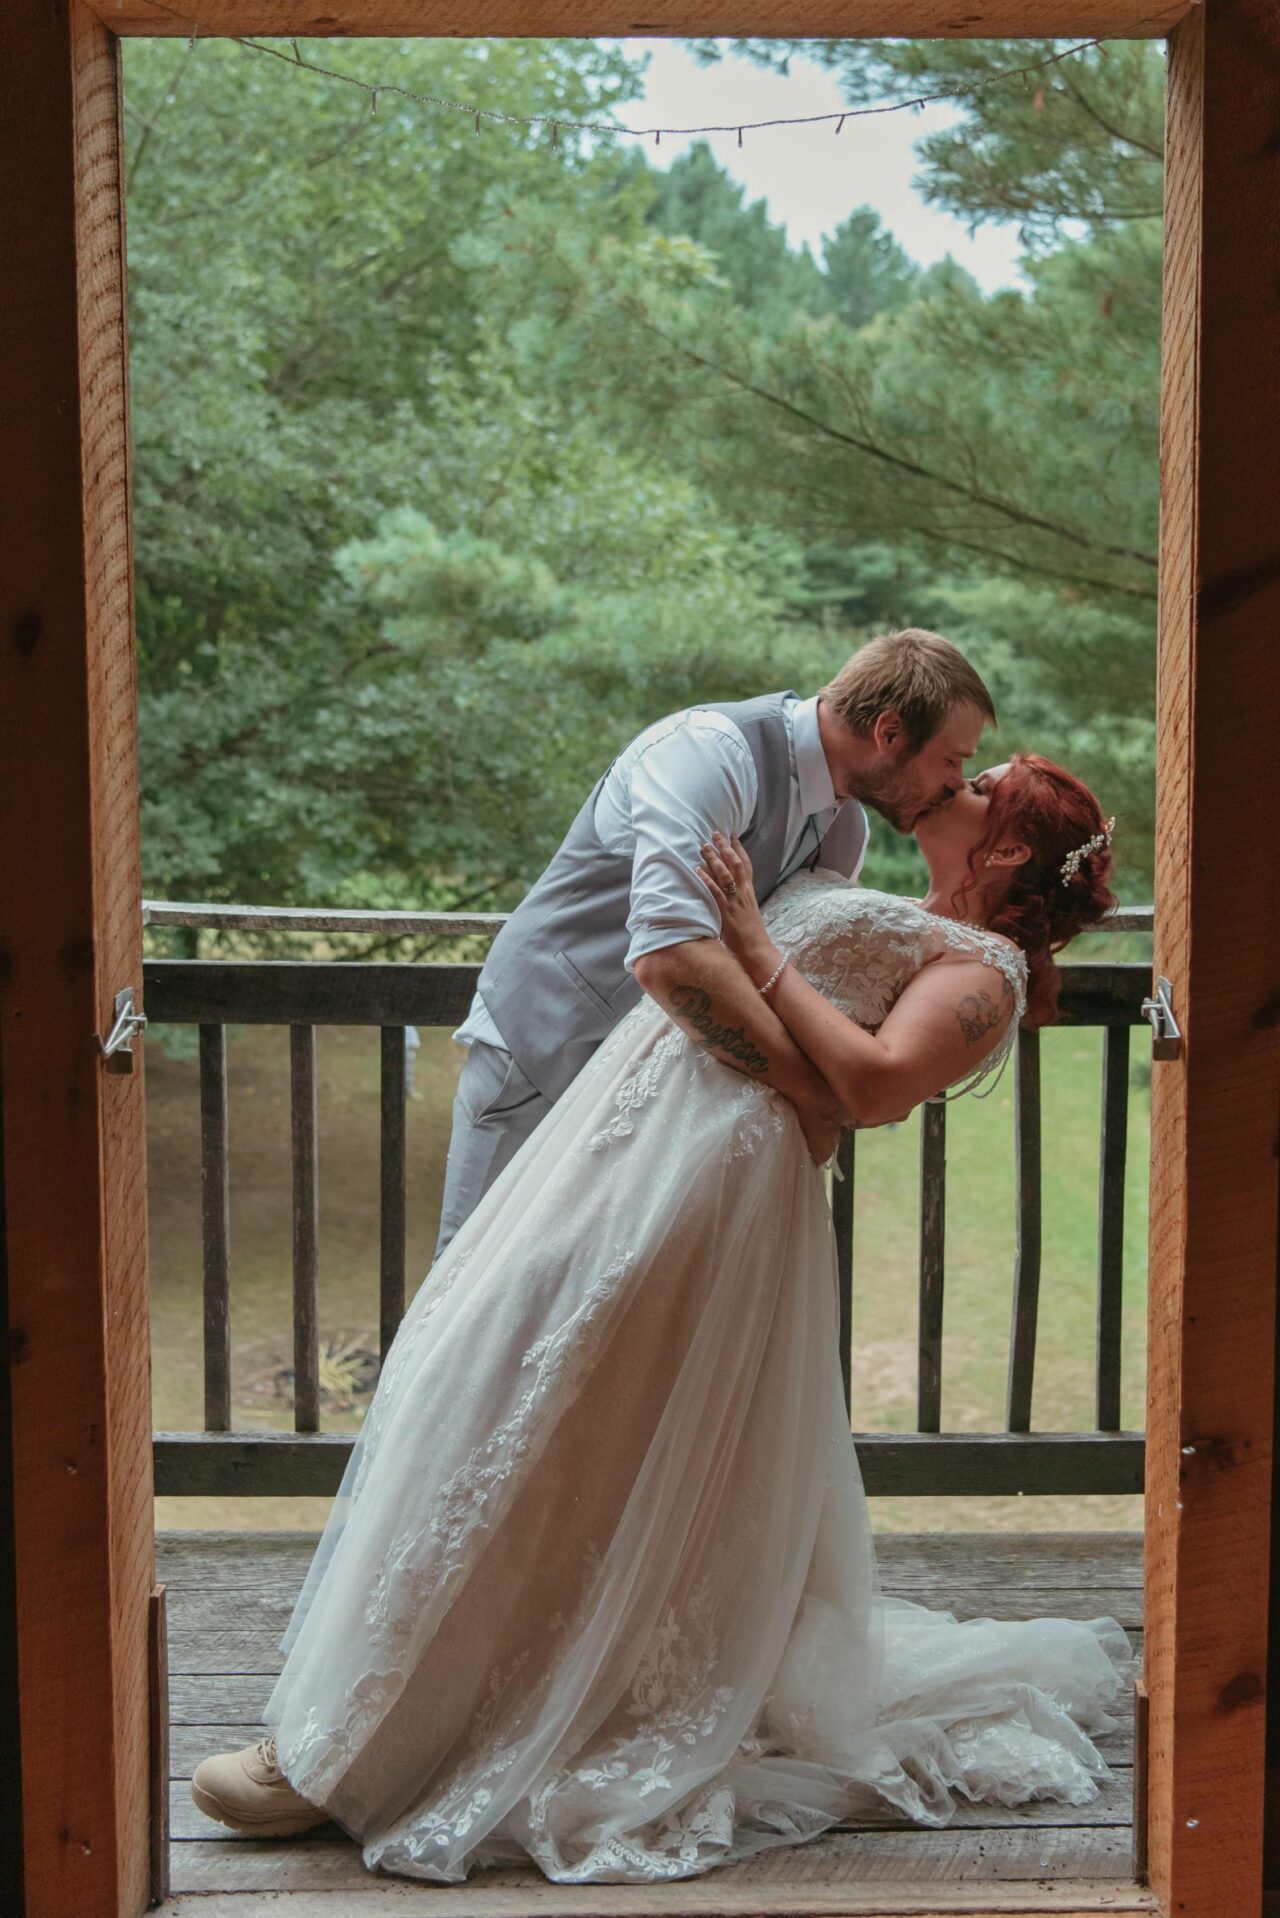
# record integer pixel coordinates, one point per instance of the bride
(599, 1588)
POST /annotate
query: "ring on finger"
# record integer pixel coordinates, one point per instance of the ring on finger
(730, 887)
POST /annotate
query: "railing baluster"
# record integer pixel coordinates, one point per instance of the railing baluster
(215, 1228)
(933, 1209)
(842, 1219)
(1111, 1169)
(1026, 1280)
(306, 1226)
(215, 995)
(391, 1230)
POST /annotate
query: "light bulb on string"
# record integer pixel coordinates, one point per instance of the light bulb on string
(195, 30)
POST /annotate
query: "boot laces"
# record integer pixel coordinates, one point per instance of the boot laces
(266, 1750)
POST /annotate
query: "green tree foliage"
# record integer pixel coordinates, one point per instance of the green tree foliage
(458, 457)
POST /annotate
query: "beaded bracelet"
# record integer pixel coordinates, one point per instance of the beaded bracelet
(769, 981)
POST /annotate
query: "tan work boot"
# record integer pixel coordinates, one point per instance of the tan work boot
(248, 1791)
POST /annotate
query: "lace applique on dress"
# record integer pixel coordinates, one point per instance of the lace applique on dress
(860, 948)
(639, 1089)
(435, 1287)
(422, 1560)
(675, 1700)
(757, 1115)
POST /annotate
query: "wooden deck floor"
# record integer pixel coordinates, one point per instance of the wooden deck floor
(229, 1596)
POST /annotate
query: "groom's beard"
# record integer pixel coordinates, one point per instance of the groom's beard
(903, 810)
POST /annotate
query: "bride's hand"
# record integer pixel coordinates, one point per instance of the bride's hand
(726, 872)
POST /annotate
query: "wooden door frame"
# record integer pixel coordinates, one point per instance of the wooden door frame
(72, 1161)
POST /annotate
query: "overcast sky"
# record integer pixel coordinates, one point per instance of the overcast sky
(810, 178)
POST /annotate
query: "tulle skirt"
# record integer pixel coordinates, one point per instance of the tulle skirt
(599, 1588)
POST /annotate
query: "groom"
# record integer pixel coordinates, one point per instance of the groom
(620, 909)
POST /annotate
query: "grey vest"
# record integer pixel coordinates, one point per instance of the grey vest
(555, 979)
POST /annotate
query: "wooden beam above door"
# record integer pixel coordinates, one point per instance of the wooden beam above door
(665, 19)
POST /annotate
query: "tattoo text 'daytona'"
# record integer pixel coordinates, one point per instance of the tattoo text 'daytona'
(977, 1013)
(693, 1004)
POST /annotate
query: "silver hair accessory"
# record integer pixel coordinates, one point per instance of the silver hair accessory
(1071, 864)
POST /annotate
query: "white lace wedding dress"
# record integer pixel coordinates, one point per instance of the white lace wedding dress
(599, 1586)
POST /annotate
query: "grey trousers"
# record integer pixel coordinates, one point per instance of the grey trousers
(494, 1111)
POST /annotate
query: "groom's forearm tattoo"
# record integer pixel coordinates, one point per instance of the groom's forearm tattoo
(978, 1013)
(693, 1004)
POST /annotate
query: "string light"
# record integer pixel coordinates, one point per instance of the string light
(603, 126)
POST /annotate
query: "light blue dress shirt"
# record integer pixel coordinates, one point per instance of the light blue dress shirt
(680, 780)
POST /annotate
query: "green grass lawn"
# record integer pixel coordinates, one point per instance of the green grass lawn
(979, 1264)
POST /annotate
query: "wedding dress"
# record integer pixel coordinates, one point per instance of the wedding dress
(599, 1588)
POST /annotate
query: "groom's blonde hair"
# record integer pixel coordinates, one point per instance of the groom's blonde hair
(917, 674)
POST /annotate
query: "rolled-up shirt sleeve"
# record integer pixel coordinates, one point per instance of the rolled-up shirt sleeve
(697, 780)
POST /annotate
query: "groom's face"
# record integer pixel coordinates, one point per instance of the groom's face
(908, 787)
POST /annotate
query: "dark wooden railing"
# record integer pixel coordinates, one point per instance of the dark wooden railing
(212, 995)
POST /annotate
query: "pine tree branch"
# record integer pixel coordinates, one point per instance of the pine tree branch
(1016, 562)
(1116, 133)
(914, 469)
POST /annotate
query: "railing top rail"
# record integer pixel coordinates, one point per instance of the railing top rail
(390, 993)
(168, 912)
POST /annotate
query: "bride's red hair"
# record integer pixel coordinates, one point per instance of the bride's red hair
(1053, 813)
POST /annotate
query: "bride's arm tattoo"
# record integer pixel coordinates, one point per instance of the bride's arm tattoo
(692, 1003)
(978, 1012)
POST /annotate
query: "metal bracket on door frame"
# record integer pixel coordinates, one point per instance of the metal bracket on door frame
(117, 1047)
(1166, 1033)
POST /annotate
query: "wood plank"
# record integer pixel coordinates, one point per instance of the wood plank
(245, 1639)
(1103, 994)
(176, 912)
(391, 1215)
(449, 925)
(190, 1742)
(158, 1733)
(213, 1699)
(210, 1633)
(1111, 1810)
(1141, 1726)
(941, 1858)
(908, 1560)
(926, 19)
(1026, 1277)
(1212, 1292)
(933, 1213)
(77, 1309)
(1036, 1559)
(842, 1194)
(503, 1895)
(350, 993)
(215, 1227)
(304, 1162)
(893, 1464)
(278, 992)
(1112, 1156)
